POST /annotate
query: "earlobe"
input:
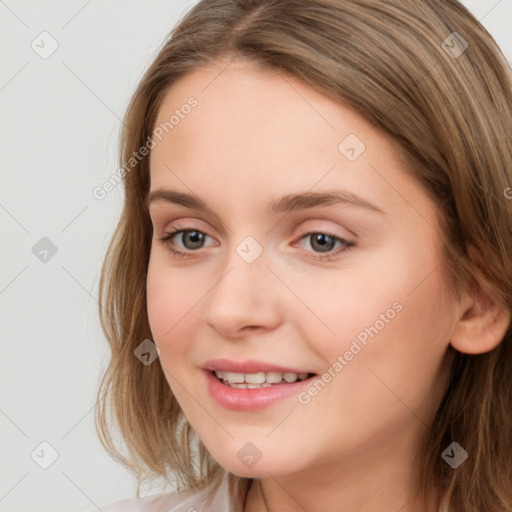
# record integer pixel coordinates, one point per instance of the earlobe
(481, 327)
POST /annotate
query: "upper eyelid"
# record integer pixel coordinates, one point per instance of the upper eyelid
(179, 231)
(185, 225)
(155, 212)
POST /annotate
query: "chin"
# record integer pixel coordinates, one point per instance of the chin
(262, 468)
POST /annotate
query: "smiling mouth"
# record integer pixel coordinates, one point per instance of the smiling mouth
(260, 379)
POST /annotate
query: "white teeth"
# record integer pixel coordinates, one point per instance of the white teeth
(258, 379)
(254, 378)
(236, 378)
(240, 386)
(274, 377)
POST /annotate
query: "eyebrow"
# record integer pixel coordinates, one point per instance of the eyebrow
(283, 204)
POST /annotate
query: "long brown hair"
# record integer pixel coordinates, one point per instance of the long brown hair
(432, 78)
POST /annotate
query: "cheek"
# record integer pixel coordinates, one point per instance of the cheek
(170, 301)
(391, 327)
(410, 352)
(396, 373)
(364, 301)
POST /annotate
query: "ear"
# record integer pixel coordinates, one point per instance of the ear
(482, 325)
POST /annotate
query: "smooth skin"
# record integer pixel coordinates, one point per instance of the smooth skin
(255, 136)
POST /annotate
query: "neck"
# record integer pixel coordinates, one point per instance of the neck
(382, 479)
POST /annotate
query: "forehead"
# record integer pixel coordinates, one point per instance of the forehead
(235, 100)
(253, 131)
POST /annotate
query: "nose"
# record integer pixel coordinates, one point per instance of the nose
(244, 299)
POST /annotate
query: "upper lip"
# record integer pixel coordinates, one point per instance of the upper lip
(248, 366)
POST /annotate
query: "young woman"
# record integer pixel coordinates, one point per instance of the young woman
(308, 293)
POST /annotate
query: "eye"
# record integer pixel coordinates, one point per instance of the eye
(324, 243)
(192, 239)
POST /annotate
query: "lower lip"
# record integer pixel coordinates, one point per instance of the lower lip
(251, 399)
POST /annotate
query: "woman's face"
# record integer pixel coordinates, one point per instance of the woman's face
(307, 249)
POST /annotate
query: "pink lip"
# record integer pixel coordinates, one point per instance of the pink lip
(247, 366)
(249, 399)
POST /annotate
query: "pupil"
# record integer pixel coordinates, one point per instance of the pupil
(323, 242)
(195, 237)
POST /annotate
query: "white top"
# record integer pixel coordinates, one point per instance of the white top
(200, 501)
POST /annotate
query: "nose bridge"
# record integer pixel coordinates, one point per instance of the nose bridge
(243, 295)
(246, 274)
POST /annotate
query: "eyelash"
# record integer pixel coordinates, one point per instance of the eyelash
(332, 256)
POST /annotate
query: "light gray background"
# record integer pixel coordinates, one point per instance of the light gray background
(59, 127)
